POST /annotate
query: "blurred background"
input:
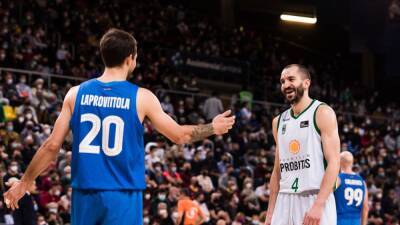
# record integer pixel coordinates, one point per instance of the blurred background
(200, 58)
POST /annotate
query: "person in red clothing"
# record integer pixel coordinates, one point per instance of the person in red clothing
(51, 196)
(189, 212)
(172, 174)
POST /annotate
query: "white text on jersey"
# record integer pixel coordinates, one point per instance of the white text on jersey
(107, 102)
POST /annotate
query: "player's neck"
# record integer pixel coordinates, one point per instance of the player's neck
(347, 170)
(113, 74)
(299, 107)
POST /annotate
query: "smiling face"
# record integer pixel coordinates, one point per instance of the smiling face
(294, 84)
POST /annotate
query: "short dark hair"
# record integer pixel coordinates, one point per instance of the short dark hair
(302, 69)
(185, 192)
(115, 46)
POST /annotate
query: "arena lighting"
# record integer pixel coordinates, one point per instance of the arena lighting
(299, 19)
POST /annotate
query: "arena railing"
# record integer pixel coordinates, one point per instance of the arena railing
(47, 76)
(159, 92)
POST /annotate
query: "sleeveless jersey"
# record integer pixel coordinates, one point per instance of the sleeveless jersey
(107, 152)
(302, 163)
(350, 196)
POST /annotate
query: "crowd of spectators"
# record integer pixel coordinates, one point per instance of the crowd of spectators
(227, 175)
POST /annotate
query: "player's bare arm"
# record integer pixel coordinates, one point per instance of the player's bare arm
(45, 155)
(275, 176)
(149, 106)
(327, 123)
(365, 209)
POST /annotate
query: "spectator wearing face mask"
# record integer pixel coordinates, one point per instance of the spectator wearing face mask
(172, 175)
(64, 206)
(163, 216)
(49, 199)
(41, 220)
(24, 90)
(10, 90)
(167, 106)
(160, 197)
(28, 111)
(8, 134)
(158, 173)
(205, 181)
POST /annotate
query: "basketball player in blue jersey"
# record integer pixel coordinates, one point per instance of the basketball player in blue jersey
(106, 116)
(351, 194)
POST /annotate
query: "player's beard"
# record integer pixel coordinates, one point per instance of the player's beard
(296, 94)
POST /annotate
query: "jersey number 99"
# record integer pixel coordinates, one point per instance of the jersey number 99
(85, 145)
(352, 195)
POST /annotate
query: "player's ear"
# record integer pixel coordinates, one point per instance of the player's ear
(134, 60)
(128, 60)
(306, 83)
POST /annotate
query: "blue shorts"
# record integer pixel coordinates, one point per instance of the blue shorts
(91, 207)
(348, 221)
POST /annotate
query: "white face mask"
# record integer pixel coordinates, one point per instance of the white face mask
(162, 197)
(163, 212)
(54, 210)
(146, 220)
(174, 215)
(14, 168)
(47, 131)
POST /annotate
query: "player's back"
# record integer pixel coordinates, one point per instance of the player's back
(350, 198)
(108, 152)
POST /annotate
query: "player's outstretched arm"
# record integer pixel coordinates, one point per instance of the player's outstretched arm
(149, 106)
(365, 209)
(275, 176)
(327, 123)
(45, 155)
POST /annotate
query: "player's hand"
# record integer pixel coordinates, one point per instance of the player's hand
(223, 122)
(268, 219)
(15, 193)
(313, 216)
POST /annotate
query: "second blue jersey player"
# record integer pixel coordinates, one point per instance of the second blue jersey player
(351, 194)
(106, 116)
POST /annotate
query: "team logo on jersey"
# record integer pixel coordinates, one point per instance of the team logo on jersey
(304, 124)
(294, 146)
(284, 129)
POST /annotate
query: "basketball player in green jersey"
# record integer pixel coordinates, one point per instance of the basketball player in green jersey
(307, 157)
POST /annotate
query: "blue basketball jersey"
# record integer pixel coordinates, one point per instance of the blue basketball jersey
(108, 149)
(349, 196)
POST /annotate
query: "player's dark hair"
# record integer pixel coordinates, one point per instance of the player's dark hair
(115, 46)
(302, 70)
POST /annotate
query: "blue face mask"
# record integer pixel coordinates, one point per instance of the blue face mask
(10, 128)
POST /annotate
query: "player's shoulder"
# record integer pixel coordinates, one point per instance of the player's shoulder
(145, 94)
(324, 110)
(72, 92)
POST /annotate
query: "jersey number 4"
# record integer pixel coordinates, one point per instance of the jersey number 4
(295, 185)
(85, 145)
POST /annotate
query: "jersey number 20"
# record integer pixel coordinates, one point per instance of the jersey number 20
(351, 194)
(85, 145)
